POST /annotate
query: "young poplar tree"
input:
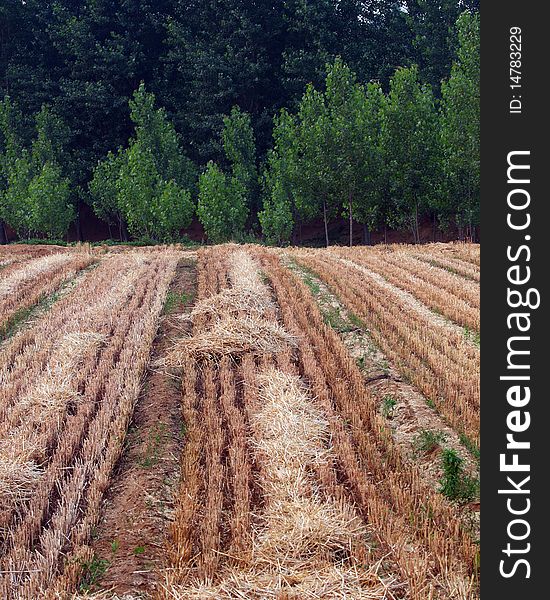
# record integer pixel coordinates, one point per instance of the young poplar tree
(222, 206)
(104, 194)
(410, 140)
(280, 180)
(354, 121)
(155, 132)
(460, 129)
(147, 186)
(315, 190)
(36, 199)
(240, 149)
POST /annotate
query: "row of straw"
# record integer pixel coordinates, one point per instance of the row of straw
(446, 293)
(456, 251)
(287, 546)
(416, 525)
(69, 386)
(442, 364)
(25, 283)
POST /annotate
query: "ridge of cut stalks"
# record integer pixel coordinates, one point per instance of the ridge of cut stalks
(304, 542)
(27, 282)
(68, 384)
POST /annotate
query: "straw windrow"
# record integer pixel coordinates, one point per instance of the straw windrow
(305, 542)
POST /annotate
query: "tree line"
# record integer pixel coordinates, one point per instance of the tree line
(380, 153)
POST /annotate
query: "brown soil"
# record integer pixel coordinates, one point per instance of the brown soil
(138, 509)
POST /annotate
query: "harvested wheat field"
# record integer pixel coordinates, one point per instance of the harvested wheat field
(240, 422)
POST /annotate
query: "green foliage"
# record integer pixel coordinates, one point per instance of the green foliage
(428, 440)
(221, 207)
(34, 195)
(455, 483)
(137, 191)
(460, 114)
(335, 155)
(354, 114)
(471, 446)
(411, 147)
(93, 571)
(143, 185)
(103, 188)
(276, 217)
(175, 210)
(240, 149)
(388, 406)
(280, 181)
(433, 40)
(16, 209)
(49, 200)
(157, 134)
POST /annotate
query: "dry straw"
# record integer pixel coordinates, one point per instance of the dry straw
(247, 294)
(303, 542)
(229, 333)
(231, 336)
(18, 472)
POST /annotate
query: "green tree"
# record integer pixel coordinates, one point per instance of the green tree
(315, 186)
(49, 199)
(221, 207)
(240, 149)
(17, 210)
(280, 180)
(104, 193)
(148, 186)
(460, 130)
(354, 125)
(36, 195)
(175, 209)
(411, 147)
(433, 35)
(154, 131)
(10, 148)
(153, 208)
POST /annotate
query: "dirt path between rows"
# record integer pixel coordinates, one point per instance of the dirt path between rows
(130, 540)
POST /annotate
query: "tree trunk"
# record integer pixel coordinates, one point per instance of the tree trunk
(385, 234)
(434, 225)
(122, 231)
(350, 223)
(416, 228)
(366, 234)
(325, 220)
(78, 223)
(3, 234)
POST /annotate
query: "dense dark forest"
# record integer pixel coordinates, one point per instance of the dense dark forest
(253, 117)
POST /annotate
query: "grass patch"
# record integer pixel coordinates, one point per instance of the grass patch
(43, 304)
(428, 440)
(388, 406)
(430, 403)
(19, 317)
(93, 571)
(356, 321)
(455, 483)
(470, 446)
(473, 336)
(176, 300)
(157, 436)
